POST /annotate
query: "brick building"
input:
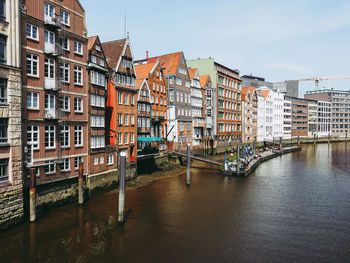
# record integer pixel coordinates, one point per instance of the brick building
(228, 86)
(55, 88)
(208, 105)
(122, 97)
(153, 73)
(11, 201)
(102, 155)
(249, 114)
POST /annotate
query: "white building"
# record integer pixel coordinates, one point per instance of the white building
(287, 119)
(324, 109)
(270, 114)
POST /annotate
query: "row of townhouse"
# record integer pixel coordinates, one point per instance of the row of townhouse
(269, 115)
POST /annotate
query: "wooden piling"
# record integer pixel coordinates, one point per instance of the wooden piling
(122, 187)
(188, 175)
(314, 138)
(329, 138)
(81, 184)
(32, 196)
(238, 161)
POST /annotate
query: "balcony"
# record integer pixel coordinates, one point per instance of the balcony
(50, 114)
(49, 84)
(52, 21)
(197, 137)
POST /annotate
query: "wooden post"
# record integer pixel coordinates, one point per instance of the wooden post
(346, 136)
(188, 174)
(122, 187)
(298, 140)
(329, 138)
(32, 196)
(238, 161)
(314, 138)
(281, 144)
(81, 184)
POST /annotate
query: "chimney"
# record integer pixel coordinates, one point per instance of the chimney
(146, 55)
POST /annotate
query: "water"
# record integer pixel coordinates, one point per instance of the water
(294, 208)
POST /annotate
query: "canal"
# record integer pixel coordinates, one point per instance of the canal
(294, 208)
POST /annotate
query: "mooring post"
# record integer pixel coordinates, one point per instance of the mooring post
(329, 138)
(346, 136)
(32, 196)
(298, 140)
(281, 144)
(122, 187)
(188, 175)
(81, 184)
(238, 161)
(314, 138)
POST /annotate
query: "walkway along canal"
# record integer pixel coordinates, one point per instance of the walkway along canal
(293, 208)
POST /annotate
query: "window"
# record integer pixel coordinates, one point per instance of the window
(65, 165)
(78, 136)
(32, 100)
(49, 68)
(32, 32)
(126, 98)
(4, 169)
(120, 118)
(33, 136)
(97, 101)
(110, 159)
(98, 78)
(120, 98)
(49, 101)
(77, 161)
(64, 72)
(132, 99)
(120, 138)
(2, 49)
(97, 142)
(3, 91)
(2, 10)
(32, 65)
(132, 119)
(93, 59)
(3, 130)
(65, 136)
(102, 62)
(95, 160)
(49, 11)
(78, 75)
(50, 167)
(50, 136)
(102, 159)
(126, 138)
(49, 37)
(64, 17)
(78, 105)
(65, 43)
(97, 121)
(132, 136)
(78, 47)
(126, 119)
(98, 48)
(65, 103)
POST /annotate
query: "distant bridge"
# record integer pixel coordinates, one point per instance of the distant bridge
(200, 159)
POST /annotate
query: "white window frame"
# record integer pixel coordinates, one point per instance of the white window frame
(78, 105)
(78, 136)
(29, 29)
(78, 47)
(49, 133)
(110, 159)
(65, 161)
(34, 62)
(32, 100)
(96, 160)
(65, 104)
(63, 16)
(63, 133)
(102, 159)
(65, 72)
(78, 75)
(77, 161)
(30, 133)
(48, 164)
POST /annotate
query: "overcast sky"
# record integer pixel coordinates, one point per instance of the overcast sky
(277, 40)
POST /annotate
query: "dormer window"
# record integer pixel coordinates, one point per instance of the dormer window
(98, 48)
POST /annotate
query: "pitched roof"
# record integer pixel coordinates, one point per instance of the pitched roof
(204, 80)
(265, 92)
(245, 91)
(192, 72)
(138, 83)
(91, 42)
(143, 70)
(169, 61)
(113, 50)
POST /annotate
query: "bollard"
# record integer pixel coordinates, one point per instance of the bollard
(298, 141)
(281, 146)
(81, 184)
(238, 161)
(315, 139)
(188, 175)
(122, 187)
(346, 136)
(329, 138)
(32, 196)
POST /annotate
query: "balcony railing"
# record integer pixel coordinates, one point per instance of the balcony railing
(51, 114)
(52, 21)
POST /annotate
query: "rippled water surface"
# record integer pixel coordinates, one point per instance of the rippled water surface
(294, 208)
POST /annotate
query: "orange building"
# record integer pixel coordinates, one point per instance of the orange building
(153, 74)
(122, 97)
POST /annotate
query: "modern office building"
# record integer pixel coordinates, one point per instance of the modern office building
(289, 87)
(228, 86)
(300, 116)
(324, 115)
(287, 118)
(340, 100)
(253, 81)
(312, 118)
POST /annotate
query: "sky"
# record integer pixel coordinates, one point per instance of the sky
(277, 40)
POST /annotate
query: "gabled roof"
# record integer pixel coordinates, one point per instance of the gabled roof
(91, 42)
(192, 72)
(265, 93)
(204, 80)
(113, 50)
(169, 61)
(143, 70)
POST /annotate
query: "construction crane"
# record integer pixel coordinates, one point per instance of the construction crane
(317, 80)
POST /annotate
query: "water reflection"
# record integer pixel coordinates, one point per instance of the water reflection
(292, 208)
